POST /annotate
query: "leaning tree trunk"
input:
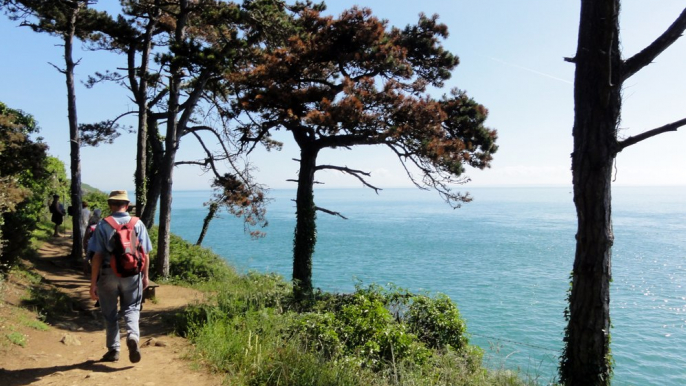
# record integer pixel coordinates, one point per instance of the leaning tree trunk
(74, 140)
(206, 223)
(597, 100)
(305, 228)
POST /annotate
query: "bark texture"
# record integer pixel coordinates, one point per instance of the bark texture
(154, 175)
(597, 100)
(138, 79)
(600, 73)
(305, 235)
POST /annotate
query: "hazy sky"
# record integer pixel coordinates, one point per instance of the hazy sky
(511, 55)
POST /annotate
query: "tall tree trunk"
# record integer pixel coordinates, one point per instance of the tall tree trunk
(597, 100)
(167, 171)
(305, 236)
(141, 158)
(206, 223)
(165, 209)
(170, 146)
(141, 92)
(74, 139)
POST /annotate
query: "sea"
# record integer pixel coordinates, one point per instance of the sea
(505, 259)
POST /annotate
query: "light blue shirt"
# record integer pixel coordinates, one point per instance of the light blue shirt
(101, 241)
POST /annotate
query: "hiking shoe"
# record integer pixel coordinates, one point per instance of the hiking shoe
(134, 352)
(110, 356)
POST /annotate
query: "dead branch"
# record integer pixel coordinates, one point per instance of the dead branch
(674, 126)
(200, 163)
(330, 212)
(355, 173)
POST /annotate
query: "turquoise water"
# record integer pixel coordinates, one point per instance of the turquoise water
(504, 259)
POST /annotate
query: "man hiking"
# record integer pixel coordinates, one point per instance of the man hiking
(57, 211)
(110, 283)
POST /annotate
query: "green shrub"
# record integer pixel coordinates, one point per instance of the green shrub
(360, 325)
(194, 317)
(190, 263)
(436, 321)
(320, 333)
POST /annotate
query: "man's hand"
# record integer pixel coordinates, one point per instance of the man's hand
(145, 281)
(94, 291)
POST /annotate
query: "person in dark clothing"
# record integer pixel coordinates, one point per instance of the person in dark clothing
(57, 210)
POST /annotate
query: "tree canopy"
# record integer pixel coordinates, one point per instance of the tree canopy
(340, 82)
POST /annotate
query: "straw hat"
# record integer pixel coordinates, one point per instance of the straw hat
(119, 195)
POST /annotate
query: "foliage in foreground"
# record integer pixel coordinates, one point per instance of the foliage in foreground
(28, 176)
(252, 331)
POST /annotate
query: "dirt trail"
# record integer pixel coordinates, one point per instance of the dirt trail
(68, 353)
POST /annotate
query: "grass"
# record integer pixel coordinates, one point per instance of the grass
(17, 338)
(34, 324)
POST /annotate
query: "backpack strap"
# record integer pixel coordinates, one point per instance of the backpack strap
(114, 224)
(133, 222)
(134, 240)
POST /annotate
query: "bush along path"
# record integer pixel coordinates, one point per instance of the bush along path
(51, 333)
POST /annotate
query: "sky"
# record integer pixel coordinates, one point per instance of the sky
(511, 61)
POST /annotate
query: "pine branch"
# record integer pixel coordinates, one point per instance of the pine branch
(645, 57)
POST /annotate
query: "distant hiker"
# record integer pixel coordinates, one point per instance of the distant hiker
(57, 210)
(85, 216)
(109, 285)
(90, 229)
(95, 217)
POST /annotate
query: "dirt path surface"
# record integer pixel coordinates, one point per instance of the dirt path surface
(68, 352)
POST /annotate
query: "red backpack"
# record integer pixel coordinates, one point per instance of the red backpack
(127, 257)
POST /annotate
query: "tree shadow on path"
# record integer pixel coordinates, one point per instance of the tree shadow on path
(30, 375)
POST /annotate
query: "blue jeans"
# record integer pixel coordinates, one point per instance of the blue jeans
(128, 290)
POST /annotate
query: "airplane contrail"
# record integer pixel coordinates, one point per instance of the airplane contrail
(530, 70)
